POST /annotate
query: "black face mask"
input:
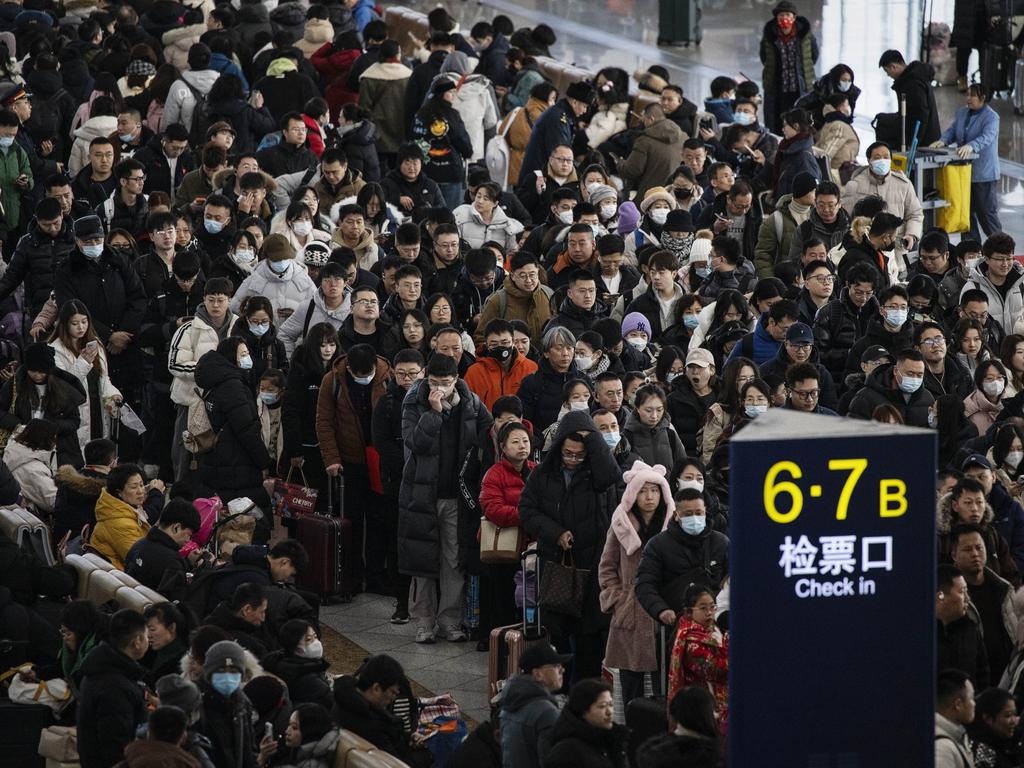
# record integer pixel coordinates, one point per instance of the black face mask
(502, 354)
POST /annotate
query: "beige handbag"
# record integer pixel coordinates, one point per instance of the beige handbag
(59, 743)
(499, 546)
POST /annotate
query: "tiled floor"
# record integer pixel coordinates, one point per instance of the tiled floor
(456, 668)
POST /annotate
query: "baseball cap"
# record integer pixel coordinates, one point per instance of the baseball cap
(700, 357)
(874, 353)
(541, 654)
(974, 460)
(800, 333)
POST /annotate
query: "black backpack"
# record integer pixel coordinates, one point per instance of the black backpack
(200, 117)
(45, 122)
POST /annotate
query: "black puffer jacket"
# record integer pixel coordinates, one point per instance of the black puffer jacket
(267, 351)
(234, 467)
(687, 409)
(387, 437)
(359, 143)
(837, 327)
(423, 191)
(47, 85)
(227, 723)
(877, 333)
(353, 712)
(158, 169)
(777, 367)
(655, 445)
(880, 389)
(255, 639)
(33, 263)
(673, 560)
(75, 506)
(250, 124)
(110, 706)
(306, 678)
(64, 395)
(298, 409)
(109, 287)
(550, 505)
(576, 319)
(576, 743)
(161, 321)
(541, 393)
(289, 17)
(419, 547)
(152, 556)
(440, 126)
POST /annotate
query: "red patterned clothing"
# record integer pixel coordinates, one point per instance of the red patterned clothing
(700, 657)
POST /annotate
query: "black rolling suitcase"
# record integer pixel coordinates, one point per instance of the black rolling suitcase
(647, 717)
(20, 726)
(998, 63)
(331, 547)
(679, 22)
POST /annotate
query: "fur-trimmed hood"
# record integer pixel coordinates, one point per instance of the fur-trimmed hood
(221, 178)
(944, 515)
(73, 480)
(624, 524)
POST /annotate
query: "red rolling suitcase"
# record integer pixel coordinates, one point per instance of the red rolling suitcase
(331, 547)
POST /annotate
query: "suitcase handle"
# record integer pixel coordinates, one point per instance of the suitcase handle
(330, 495)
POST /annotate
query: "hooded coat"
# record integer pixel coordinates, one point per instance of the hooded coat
(475, 231)
(575, 743)
(110, 706)
(60, 407)
(438, 127)
(534, 308)
(655, 156)
(354, 712)
(999, 560)
(631, 635)
(75, 504)
(382, 94)
(655, 445)
(94, 128)
(554, 501)
(181, 101)
(234, 466)
(474, 100)
(897, 191)
(528, 715)
(915, 85)
(880, 389)
(33, 262)
(1009, 312)
(877, 333)
(419, 547)
(541, 393)
(838, 139)
(118, 527)
(517, 136)
(306, 678)
(292, 290)
(33, 471)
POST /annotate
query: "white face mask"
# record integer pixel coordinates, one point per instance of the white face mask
(638, 344)
(1013, 458)
(697, 485)
(313, 650)
(302, 228)
(658, 215)
(243, 258)
(579, 405)
(608, 211)
(584, 362)
(565, 217)
(994, 388)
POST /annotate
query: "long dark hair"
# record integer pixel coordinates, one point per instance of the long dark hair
(307, 354)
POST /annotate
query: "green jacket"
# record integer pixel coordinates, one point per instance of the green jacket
(194, 184)
(770, 76)
(13, 163)
(771, 248)
(382, 94)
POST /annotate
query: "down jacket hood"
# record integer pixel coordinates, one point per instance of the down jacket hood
(69, 477)
(96, 127)
(17, 455)
(622, 519)
(574, 421)
(664, 131)
(253, 13)
(944, 515)
(213, 369)
(521, 691)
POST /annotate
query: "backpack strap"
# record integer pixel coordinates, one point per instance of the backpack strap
(308, 175)
(747, 346)
(309, 312)
(779, 228)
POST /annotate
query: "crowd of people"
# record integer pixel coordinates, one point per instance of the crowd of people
(271, 244)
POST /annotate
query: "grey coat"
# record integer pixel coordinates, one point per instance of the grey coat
(655, 445)
(528, 713)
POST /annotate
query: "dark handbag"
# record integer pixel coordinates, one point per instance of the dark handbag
(561, 587)
(887, 128)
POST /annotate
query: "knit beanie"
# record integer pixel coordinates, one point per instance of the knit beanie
(636, 321)
(222, 655)
(277, 248)
(602, 192)
(629, 217)
(700, 250)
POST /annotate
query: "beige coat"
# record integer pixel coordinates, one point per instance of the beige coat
(898, 193)
(382, 94)
(318, 32)
(518, 136)
(839, 141)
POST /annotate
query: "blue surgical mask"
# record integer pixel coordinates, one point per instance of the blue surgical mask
(844, 85)
(127, 138)
(896, 317)
(694, 524)
(611, 438)
(910, 384)
(881, 167)
(702, 272)
(743, 118)
(6, 142)
(691, 321)
(258, 329)
(364, 380)
(269, 398)
(92, 251)
(226, 683)
(280, 267)
(213, 226)
(753, 411)
(245, 363)
(931, 419)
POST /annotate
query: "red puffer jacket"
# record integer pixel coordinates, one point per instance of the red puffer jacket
(499, 493)
(334, 66)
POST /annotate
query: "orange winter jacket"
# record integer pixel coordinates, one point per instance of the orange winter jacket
(488, 380)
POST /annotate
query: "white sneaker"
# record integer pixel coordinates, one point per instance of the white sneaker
(455, 635)
(425, 636)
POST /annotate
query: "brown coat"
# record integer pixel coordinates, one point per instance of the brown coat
(518, 136)
(631, 635)
(337, 427)
(656, 153)
(534, 309)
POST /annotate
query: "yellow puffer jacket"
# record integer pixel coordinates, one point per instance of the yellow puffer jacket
(117, 528)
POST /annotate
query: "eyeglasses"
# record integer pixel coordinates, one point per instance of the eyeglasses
(136, 178)
(171, 232)
(572, 456)
(825, 206)
(331, 280)
(895, 307)
(935, 341)
(860, 293)
(561, 159)
(805, 394)
(410, 375)
(367, 302)
(824, 279)
(1001, 259)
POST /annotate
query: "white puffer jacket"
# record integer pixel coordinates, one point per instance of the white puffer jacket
(178, 41)
(607, 123)
(478, 106)
(317, 32)
(94, 128)
(34, 472)
(291, 290)
(474, 231)
(80, 369)
(190, 342)
(180, 102)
